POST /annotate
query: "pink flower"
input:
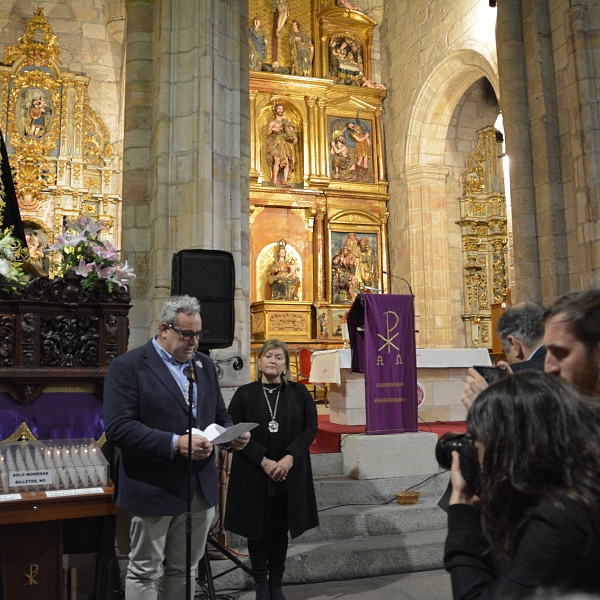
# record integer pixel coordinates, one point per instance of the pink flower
(104, 273)
(86, 225)
(83, 268)
(123, 274)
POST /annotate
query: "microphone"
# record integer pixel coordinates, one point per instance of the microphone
(189, 373)
(372, 289)
(401, 279)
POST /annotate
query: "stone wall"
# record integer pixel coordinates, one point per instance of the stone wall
(431, 53)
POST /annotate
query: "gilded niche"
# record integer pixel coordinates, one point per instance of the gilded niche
(59, 148)
(284, 275)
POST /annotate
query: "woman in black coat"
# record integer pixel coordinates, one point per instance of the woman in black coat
(270, 487)
(538, 445)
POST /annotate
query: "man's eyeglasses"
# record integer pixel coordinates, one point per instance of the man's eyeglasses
(186, 336)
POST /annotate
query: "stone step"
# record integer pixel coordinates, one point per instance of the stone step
(346, 522)
(338, 490)
(351, 558)
(326, 465)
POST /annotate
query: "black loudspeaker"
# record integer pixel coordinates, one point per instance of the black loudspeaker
(209, 276)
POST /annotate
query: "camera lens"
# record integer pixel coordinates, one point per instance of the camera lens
(464, 444)
(449, 442)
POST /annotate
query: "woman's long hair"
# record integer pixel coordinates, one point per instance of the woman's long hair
(541, 439)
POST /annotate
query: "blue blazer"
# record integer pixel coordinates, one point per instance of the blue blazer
(143, 408)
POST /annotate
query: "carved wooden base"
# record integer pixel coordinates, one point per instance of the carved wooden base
(282, 320)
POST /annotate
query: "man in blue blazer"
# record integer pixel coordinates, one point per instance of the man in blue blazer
(146, 415)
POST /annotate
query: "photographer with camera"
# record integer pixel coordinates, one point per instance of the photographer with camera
(535, 442)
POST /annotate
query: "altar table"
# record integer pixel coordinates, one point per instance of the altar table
(440, 373)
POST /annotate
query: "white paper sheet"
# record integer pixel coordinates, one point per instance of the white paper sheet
(219, 435)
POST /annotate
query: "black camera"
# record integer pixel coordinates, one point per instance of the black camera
(464, 444)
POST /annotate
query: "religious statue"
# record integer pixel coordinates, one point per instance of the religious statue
(302, 51)
(341, 161)
(282, 10)
(365, 264)
(343, 277)
(36, 118)
(369, 83)
(349, 5)
(282, 138)
(358, 136)
(283, 275)
(36, 241)
(345, 61)
(258, 45)
(323, 325)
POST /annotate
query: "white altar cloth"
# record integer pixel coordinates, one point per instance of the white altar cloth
(326, 364)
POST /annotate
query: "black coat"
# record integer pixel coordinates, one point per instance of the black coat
(143, 408)
(552, 553)
(535, 363)
(247, 489)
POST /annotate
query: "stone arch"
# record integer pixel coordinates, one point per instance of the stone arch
(436, 101)
(427, 253)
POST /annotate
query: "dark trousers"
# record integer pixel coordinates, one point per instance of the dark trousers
(267, 556)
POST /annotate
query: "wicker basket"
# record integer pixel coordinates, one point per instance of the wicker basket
(407, 497)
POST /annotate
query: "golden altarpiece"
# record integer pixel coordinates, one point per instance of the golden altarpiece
(61, 157)
(484, 237)
(318, 193)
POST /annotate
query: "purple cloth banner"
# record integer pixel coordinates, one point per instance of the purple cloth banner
(53, 416)
(385, 352)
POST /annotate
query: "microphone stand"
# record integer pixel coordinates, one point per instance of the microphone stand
(401, 279)
(189, 373)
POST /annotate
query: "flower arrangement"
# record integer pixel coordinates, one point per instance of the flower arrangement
(85, 254)
(11, 255)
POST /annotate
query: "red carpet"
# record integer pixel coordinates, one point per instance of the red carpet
(329, 434)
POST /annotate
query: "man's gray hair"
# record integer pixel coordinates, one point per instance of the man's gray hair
(179, 304)
(524, 322)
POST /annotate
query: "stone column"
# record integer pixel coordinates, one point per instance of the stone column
(198, 159)
(429, 259)
(546, 150)
(585, 147)
(515, 109)
(136, 160)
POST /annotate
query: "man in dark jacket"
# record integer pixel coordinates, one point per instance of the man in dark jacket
(521, 333)
(146, 396)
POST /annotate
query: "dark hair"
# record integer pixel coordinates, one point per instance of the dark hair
(541, 439)
(524, 322)
(582, 312)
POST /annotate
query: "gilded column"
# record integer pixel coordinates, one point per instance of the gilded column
(312, 138)
(385, 266)
(322, 137)
(379, 145)
(319, 254)
(254, 139)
